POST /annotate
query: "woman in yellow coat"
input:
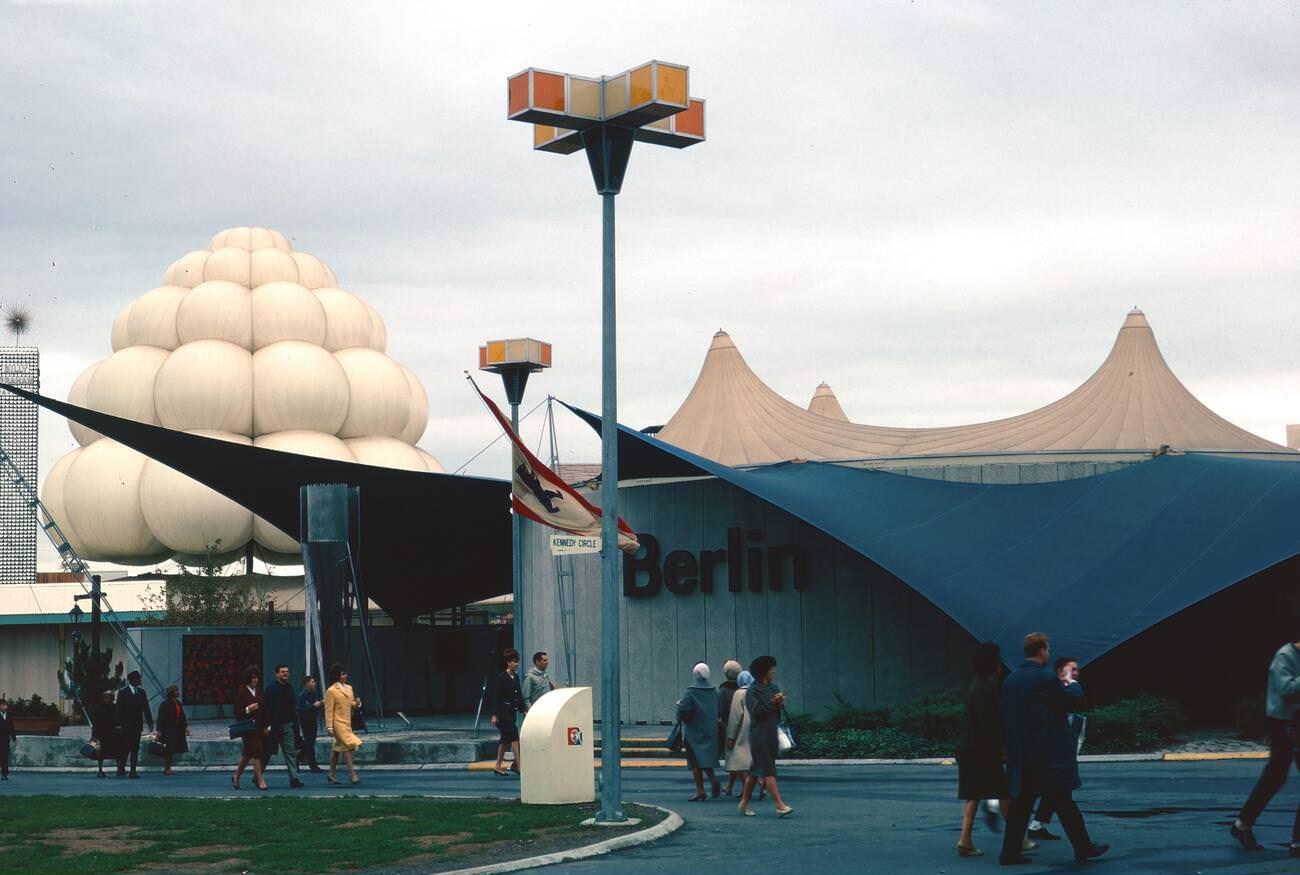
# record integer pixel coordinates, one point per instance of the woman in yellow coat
(339, 702)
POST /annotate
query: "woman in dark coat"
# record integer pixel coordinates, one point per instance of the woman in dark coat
(172, 728)
(764, 701)
(248, 704)
(698, 711)
(507, 703)
(979, 752)
(103, 730)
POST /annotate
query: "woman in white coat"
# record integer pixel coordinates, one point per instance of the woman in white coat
(737, 754)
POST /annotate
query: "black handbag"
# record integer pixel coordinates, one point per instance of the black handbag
(676, 740)
(358, 720)
(156, 749)
(90, 750)
(243, 728)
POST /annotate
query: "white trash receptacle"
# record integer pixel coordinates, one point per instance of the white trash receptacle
(555, 749)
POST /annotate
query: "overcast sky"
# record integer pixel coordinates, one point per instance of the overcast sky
(942, 209)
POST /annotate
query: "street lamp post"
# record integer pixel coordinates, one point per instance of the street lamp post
(604, 116)
(515, 360)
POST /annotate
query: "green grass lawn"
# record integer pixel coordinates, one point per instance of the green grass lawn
(89, 835)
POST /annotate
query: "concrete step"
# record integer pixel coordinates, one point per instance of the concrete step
(376, 749)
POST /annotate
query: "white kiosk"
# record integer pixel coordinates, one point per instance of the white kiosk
(555, 749)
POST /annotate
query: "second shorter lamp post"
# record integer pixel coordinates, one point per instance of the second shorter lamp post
(515, 360)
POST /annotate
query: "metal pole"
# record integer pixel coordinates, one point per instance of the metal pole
(611, 793)
(95, 594)
(516, 548)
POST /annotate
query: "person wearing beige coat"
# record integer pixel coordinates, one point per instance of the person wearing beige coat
(339, 702)
(737, 754)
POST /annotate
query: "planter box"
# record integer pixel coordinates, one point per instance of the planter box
(36, 725)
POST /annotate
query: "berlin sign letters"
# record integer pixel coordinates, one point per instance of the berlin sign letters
(746, 560)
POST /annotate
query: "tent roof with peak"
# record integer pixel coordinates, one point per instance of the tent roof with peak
(1133, 402)
(1096, 560)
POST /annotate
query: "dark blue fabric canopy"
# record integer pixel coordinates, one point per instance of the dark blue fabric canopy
(1092, 562)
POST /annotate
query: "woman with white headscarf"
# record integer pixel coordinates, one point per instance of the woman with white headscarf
(737, 735)
(698, 712)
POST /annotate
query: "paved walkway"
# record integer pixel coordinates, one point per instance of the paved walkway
(1161, 817)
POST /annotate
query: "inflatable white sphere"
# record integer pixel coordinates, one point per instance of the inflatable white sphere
(101, 497)
(187, 271)
(378, 331)
(119, 335)
(153, 318)
(430, 461)
(347, 319)
(312, 272)
(77, 396)
(123, 383)
(270, 265)
(417, 418)
(386, 452)
(304, 443)
(52, 498)
(188, 517)
(219, 310)
(207, 384)
(229, 264)
(298, 386)
(379, 395)
(286, 311)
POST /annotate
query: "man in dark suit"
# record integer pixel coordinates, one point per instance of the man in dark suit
(309, 711)
(8, 735)
(131, 713)
(1041, 755)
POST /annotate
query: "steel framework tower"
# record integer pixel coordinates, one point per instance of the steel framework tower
(19, 366)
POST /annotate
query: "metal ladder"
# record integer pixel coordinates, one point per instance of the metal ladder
(73, 563)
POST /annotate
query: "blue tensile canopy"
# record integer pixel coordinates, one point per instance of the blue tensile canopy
(1093, 561)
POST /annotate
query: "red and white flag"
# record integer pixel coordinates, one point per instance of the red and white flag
(539, 494)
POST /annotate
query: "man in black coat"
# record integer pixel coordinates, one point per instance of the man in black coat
(282, 717)
(8, 734)
(309, 710)
(131, 713)
(1041, 754)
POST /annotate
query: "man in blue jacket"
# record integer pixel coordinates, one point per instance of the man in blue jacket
(282, 716)
(1040, 750)
(309, 710)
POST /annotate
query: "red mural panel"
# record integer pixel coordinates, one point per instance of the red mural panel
(212, 666)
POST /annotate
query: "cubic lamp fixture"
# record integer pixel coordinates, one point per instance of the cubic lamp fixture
(604, 116)
(499, 355)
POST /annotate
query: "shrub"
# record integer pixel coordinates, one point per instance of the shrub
(1141, 723)
(937, 717)
(1249, 718)
(33, 707)
(884, 743)
(844, 716)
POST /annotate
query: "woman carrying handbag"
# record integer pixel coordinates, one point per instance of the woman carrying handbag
(248, 705)
(764, 701)
(172, 728)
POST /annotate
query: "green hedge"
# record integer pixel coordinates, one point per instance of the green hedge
(1142, 723)
(931, 725)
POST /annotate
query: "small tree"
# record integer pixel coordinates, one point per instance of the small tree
(86, 675)
(204, 595)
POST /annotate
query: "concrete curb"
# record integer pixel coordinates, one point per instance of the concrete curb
(665, 827)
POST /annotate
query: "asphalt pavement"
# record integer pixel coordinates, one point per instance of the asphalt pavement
(1160, 817)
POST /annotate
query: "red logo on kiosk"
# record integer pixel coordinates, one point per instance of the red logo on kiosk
(575, 736)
